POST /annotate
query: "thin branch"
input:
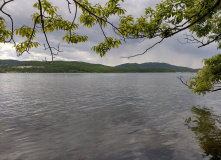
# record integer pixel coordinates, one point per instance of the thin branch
(57, 49)
(102, 19)
(75, 16)
(214, 90)
(69, 6)
(104, 34)
(143, 40)
(210, 41)
(44, 32)
(200, 18)
(190, 39)
(145, 50)
(181, 29)
(185, 83)
(198, 13)
(206, 90)
(32, 34)
(43, 28)
(12, 22)
(5, 4)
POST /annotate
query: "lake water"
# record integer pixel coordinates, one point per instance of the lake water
(137, 116)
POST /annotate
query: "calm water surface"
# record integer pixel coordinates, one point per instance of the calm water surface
(98, 117)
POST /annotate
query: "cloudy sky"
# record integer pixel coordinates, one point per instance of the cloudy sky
(169, 51)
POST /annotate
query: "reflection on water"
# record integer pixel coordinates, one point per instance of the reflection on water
(207, 128)
(97, 117)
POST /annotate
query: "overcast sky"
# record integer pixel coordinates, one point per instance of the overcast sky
(169, 51)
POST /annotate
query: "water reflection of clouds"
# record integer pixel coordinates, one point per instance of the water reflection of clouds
(99, 116)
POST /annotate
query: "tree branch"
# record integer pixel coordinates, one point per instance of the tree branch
(75, 16)
(32, 34)
(145, 50)
(190, 39)
(44, 32)
(69, 6)
(200, 18)
(210, 41)
(12, 22)
(104, 35)
(184, 28)
(206, 90)
(102, 19)
(43, 29)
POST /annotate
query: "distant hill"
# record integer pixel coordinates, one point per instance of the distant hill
(55, 67)
(9, 62)
(157, 65)
(82, 67)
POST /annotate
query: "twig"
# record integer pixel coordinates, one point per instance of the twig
(75, 15)
(200, 18)
(104, 35)
(43, 29)
(186, 84)
(145, 50)
(210, 41)
(69, 6)
(102, 19)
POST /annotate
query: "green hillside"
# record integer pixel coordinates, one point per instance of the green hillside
(157, 65)
(82, 67)
(9, 62)
(56, 67)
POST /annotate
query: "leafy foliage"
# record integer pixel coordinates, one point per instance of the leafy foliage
(4, 31)
(47, 19)
(173, 16)
(109, 43)
(209, 78)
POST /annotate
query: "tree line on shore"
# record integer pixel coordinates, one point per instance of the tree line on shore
(82, 67)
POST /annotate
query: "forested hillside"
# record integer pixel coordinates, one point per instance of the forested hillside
(157, 65)
(82, 67)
